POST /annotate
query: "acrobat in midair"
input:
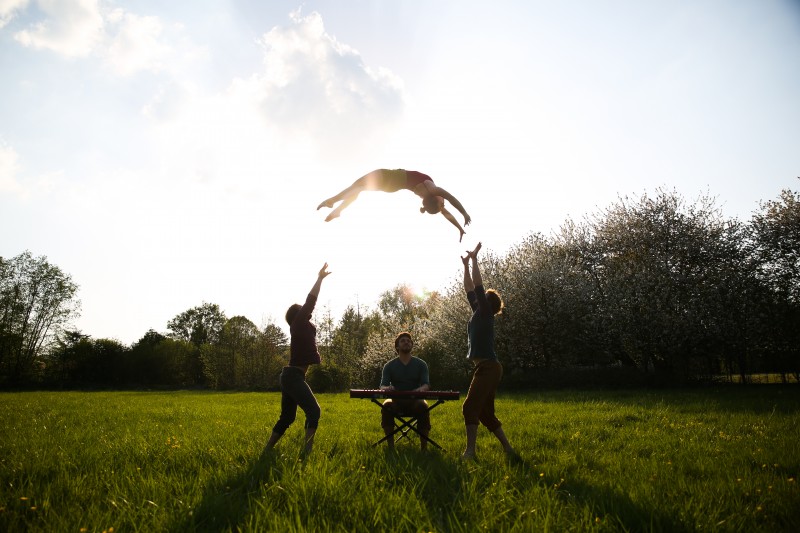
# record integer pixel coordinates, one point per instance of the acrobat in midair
(385, 180)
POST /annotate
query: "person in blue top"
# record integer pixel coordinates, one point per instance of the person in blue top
(405, 373)
(303, 352)
(478, 406)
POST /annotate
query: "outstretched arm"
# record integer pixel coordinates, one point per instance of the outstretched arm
(438, 191)
(476, 272)
(323, 273)
(468, 285)
(449, 216)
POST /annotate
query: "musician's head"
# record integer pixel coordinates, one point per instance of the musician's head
(405, 339)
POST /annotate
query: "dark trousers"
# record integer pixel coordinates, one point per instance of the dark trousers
(295, 393)
(417, 408)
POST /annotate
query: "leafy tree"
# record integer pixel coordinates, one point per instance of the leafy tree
(198, 325)
(775, 248)
(37, 300)
(221, 359)
(548, 317)
(144, 366)
(161, 361)
(78, 360)
(660, 265)
(244, 341)
(245, 357)
(66, 358)
(402, 310)
(444, 339)
(348, 344)
(401, 306)
(105, 365)
(150, 339)
(378, 351)
(177, 364)
(275, 346)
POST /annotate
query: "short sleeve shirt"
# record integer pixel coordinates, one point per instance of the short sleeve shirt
(405, 377)
(480, 330)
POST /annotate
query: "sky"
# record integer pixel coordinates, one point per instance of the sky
(168, 154)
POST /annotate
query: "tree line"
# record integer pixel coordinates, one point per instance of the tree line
(651, 290)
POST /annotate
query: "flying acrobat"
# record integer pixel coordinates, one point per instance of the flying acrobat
(385, 180)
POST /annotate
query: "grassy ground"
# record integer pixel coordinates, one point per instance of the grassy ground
(722, 459)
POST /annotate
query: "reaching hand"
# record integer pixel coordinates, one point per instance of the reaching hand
(323, 272)
(465, 260)
(474, 253)
(462, 234)
(467, 219)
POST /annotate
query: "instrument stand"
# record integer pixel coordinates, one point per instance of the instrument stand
(405, 423)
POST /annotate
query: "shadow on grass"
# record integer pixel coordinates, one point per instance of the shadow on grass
(451, 491)
(432, 478)
(226, 503)
(610, 507)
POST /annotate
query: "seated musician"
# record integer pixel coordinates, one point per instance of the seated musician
(405, 373)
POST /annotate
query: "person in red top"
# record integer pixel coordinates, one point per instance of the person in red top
(385, 180)
(295, 392)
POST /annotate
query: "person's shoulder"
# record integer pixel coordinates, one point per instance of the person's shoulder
(418, 360)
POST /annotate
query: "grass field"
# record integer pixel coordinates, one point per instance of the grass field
(722, 459)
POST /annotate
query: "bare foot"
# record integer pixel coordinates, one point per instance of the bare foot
(327, 203)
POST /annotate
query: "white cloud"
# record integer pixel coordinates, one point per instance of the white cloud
(314, 95)
(9, 10)
(137, 43)
(314, 83)
(128, 43)
(71, 28)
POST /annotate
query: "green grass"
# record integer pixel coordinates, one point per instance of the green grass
(723, 459)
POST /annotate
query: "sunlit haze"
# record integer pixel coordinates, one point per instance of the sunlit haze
(166, 154)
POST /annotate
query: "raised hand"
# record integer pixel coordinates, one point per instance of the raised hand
(323, 272)
(474, 253)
